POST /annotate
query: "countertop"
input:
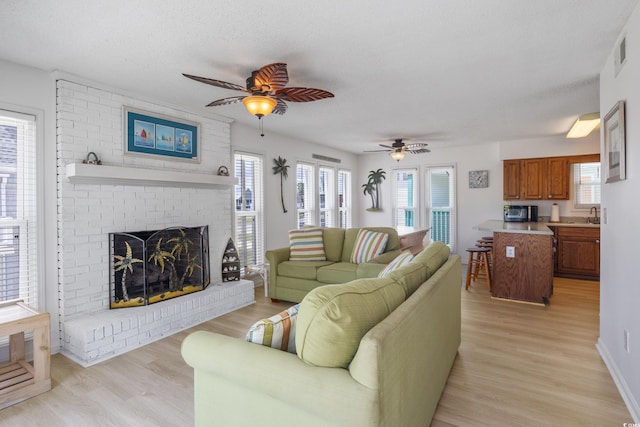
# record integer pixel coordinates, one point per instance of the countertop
(496, 225)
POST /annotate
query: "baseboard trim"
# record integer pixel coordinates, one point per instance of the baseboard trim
(618, 379)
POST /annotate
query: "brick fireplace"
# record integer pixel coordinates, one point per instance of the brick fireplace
(131, 193)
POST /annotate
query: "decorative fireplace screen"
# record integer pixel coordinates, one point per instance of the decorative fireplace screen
(153, 266)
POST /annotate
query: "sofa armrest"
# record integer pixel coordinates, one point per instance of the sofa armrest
(275, 257)
(386, 257)
(265, 377)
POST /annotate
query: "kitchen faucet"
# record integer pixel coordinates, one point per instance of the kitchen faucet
(596, 220)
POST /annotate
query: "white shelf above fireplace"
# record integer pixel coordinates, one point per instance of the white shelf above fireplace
(80, 173)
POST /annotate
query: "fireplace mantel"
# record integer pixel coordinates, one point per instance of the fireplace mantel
(80, 173)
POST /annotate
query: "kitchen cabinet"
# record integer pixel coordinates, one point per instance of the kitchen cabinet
(577, 252)
(545, 178)
(511, 180)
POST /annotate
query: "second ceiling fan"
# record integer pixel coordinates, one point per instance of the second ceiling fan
(398, 149)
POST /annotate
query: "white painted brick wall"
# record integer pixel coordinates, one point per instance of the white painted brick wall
(91, 119)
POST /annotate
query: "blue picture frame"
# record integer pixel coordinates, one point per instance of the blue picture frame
(156, 135)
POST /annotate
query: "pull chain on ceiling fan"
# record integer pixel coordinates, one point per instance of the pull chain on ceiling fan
(267, 91)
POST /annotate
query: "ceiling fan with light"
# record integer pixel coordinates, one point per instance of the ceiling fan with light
(266, 91)
(399, 149)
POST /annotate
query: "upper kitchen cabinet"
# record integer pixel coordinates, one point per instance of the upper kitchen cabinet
(536, 179)
(511, 180)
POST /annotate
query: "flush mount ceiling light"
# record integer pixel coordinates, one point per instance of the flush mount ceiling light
(397, 155)
(584, 125)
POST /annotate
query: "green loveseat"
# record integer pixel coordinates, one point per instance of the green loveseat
(292, 280)
(395, 376)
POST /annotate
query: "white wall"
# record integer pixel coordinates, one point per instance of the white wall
(272, 145)
(475, 205)
(29, 90)
(620, 233)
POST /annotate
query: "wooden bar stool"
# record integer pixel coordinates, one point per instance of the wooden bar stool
(478, 260)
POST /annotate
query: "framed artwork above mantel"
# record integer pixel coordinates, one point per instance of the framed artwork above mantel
(163, 137)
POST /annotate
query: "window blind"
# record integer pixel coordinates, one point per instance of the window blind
(344, 198)
(249, 208)
(305, 194)
(18, 208)
(327, 197)
(586, 181)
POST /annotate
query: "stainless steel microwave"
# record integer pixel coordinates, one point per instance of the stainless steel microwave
(516, 213)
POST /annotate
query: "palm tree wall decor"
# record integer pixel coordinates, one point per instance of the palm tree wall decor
(281, 167)
(372, 188)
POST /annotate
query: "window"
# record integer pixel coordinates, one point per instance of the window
(305, 195)
(18, 208)
(327, 197)
(586, 184)
(249, 223)
(344, 198)
(404, 182)
(441, 212)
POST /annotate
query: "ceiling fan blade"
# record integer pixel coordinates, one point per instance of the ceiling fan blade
(303, 94)
(226, 101)
(422, 150)
(214, 82)
(270, 77)
(387, 146)
(417, 148)
(376, 151)
(280, 108)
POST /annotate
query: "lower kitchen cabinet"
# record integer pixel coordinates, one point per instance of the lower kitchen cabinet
(577, 252)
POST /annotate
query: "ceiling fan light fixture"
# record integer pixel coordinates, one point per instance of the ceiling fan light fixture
(584, 125)
(259, 105)
(397, 155)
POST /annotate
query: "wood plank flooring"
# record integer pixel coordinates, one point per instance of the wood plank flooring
(518, 365)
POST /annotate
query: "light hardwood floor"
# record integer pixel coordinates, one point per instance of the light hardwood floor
(518, 365)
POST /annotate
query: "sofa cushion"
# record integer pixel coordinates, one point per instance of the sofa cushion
(401, 260)
(333, 242)
(278, 331)
(339, 272)
(306, 245)
(410, 276)
(433, 256)
(369, 269)
(369, 244)
(333, 318)
(301, 269)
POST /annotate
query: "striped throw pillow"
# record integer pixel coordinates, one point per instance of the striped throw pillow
(369, 244)
(306, 245)
(278, 331)
(401, 260)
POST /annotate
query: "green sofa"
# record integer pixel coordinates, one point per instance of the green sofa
(292, 280)
(395, 377)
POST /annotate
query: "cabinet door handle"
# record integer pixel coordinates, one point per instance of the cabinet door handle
(597, 240)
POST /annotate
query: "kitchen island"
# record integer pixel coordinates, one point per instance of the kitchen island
(522, 261)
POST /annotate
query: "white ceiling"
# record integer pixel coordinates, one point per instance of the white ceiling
(443, 71)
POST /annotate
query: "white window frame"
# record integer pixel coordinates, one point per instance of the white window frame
(256, 208)
(575, 173)
(327, 214)
(453, 211)
(30, 205)
(399, 205)
(344, 205)
(309, 194)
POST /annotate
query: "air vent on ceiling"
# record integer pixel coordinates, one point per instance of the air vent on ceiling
(326, 158)
(620, 56)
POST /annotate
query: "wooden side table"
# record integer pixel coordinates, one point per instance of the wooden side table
(20, 380)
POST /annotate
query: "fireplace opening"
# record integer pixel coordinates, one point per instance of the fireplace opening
(152, 266)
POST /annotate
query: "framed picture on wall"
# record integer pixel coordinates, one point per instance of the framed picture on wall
(614, 144)
(479, 179)
(163, 137)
